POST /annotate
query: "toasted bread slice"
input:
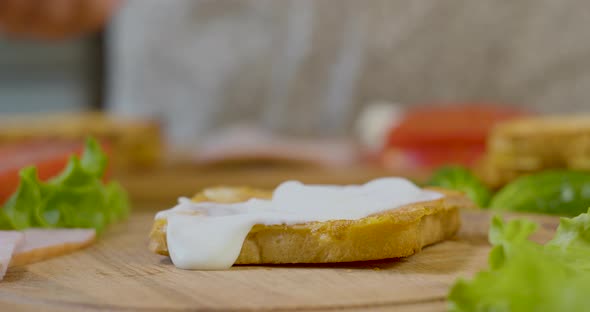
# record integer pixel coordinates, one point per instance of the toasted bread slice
(135, 142)
(528, 145)
(395, 233)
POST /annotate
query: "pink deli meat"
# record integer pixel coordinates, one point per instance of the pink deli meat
(9, 241)
(42, 244)
(33, 245)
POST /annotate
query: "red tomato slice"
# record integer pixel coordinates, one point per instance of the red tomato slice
(433, 136)
(442, 125)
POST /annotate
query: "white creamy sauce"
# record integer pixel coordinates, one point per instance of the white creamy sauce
(209, 236)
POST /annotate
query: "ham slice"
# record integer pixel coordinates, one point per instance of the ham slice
(33, 245)
(9, 241)
(42, 244)
(245, 143)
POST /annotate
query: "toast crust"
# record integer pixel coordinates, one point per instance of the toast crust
(391, 234)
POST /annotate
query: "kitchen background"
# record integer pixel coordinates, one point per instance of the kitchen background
(37, 76)
(395, 85)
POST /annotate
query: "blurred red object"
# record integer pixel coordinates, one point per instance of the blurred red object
(50, 158)
(431, 136)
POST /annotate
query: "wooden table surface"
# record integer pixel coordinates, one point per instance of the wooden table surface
(165, 185)
(118, 273)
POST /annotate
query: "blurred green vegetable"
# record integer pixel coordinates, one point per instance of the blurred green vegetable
(76, 198)
(556, 192)
(525, 276)
(461, 179)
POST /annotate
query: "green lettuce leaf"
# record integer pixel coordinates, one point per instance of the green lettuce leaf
(82, 207)
(117, 201)
(5, 223)
(530, 281)
(75, 198)
(513, 231)
(526, 276)
(74, 174)
(21, 207)
(460, 178)
(573, 232)
(94, 161)
(504, 236)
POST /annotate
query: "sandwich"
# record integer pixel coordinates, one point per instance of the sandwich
(528, 145)
(297, 223)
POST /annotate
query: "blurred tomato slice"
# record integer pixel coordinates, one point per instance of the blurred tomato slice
(430, 136)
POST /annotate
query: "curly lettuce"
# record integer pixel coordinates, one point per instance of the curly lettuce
(75, 198)
(526, 276)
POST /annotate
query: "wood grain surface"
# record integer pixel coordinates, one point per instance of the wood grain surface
(120, 274)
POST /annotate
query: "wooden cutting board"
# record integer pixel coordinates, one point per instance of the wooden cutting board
(119, 273)
(165, 185)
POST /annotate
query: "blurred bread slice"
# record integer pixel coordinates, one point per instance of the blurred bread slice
(135, 142)
(531, 144)
(395, 233)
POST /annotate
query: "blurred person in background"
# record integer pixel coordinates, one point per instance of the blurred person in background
(306, 67)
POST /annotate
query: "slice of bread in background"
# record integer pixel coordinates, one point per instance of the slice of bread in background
(135, 142)
(532, 144)
(395, 233)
